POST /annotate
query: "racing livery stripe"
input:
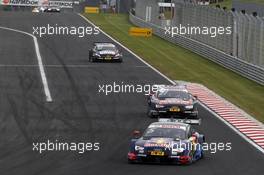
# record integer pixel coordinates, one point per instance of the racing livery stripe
(248, 126)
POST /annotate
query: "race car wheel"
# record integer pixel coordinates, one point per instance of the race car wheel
(202, 155)
(191, 158)
(93, 59)
(90, 55)
(130, 161)
(196, 112)
(149, 113)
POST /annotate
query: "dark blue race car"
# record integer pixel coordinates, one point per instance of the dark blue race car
(172, 100)
(166, 142)
(105, 52)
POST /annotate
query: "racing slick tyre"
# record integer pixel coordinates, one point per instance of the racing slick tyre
(90, 56)
(195, 114)
(149, 113)
(92, 59)
(191, 159)
(130, 161)
(202, 155)
(120, 60)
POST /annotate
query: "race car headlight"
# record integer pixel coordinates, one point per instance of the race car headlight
(159, 106)
(139, 148)
(189, 107)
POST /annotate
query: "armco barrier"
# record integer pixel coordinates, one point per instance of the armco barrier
(241, 67)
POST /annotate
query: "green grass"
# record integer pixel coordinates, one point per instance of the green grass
(181, 64)
(225, 3)
(254, 1)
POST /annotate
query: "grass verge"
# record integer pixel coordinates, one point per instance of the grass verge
(180, 64)
(225, 3)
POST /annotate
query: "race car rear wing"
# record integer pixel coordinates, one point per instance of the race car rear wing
(187, 121)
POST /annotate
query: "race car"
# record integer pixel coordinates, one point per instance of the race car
(52, 9)
(166, 141)
(105, 52)
(35, 10)
(172, 100)
(39, 9)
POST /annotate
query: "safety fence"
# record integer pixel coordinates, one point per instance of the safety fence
(247, 70)
(242, 51)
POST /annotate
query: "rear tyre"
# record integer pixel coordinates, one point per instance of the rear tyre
(120, 60)
(196, 112)
(149, 113)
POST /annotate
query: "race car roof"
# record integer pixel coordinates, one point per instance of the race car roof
(169, 125)
(172, 87)
(105, 44)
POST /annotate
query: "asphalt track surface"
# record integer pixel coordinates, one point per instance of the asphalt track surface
(80, 113)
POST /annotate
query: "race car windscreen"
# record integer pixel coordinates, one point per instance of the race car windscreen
(112, 48)
(176, 133)
(173, 94)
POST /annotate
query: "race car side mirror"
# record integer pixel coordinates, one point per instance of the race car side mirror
(136, 134)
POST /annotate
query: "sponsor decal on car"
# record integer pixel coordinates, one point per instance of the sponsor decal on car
(175, 101)
(165, 145)
(167, 126)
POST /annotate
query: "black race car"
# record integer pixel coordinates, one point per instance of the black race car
(167, 142)
(104, 52)
(172, 100)
(52, 9)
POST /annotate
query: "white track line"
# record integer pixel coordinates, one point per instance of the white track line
(40, 63)
(208, 109)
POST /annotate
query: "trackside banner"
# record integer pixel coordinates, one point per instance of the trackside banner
(62, 4)
(19, 2)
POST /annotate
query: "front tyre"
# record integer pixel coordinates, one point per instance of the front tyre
(202, 155)
(130, 161)
(120, 60)
(191, 158)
